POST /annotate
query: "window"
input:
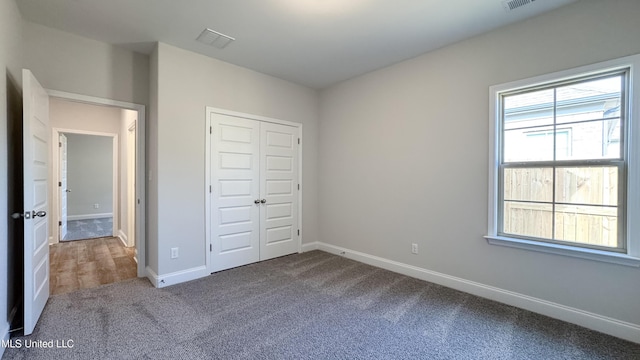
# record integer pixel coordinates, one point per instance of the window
(564, 166)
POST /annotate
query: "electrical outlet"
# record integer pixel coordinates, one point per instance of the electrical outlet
(96, 206)
(414, 248)
(174, 253)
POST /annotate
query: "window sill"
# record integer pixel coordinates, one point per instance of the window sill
(590, 254)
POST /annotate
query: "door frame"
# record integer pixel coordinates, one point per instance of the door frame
(140, 216)
(207, 190)
(131, 183)
(62, 151)
(56, 206)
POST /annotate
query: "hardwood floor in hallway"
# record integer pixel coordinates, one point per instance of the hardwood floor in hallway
(89, 263)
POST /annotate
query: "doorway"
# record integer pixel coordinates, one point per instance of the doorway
(120, 216)
(90, 242)
(87, 183)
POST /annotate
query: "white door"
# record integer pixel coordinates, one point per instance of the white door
(36, 158)
(63, 186)
(279, 190)
(235, 193)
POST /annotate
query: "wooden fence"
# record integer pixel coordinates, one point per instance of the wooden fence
(592, 192)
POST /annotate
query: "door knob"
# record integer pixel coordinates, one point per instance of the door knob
(68, 190)
(257, 202)
(29, 214)
(263, 201)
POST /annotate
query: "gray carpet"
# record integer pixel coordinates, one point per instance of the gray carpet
(89, 229)
(306, 306)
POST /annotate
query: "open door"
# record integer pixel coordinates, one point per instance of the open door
(36, 170)
(64, 191)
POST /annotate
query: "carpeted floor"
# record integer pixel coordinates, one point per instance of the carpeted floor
(307, 306)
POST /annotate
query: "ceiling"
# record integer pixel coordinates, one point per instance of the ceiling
(315, 43)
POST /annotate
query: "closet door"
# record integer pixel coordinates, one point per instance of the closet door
(278, 190)
(235, 174)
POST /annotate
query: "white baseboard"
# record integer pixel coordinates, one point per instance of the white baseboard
(177, 277)
(4, 337)
(123, 237)
(152, 276)
(89, 216)
(309, 246)
(604, 324)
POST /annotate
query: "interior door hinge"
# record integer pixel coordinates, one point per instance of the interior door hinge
(210, 129)
(298, 232)
(60, 183)
(298, 186)
(210, 247)
(298, 141)
(209, 188)
(59, 144)
(59, 223)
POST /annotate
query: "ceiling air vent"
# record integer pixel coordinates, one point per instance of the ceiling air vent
(214, 38)
(514, 4)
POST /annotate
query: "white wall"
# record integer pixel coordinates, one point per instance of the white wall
(69, 115)
(10, 66)
(65, 114)
(71, 63)
(404, 158)
(89, 175)
(187, 83)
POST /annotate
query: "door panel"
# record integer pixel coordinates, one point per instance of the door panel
(279, 187)
(279, 211)
(36, 155)
(235, 187)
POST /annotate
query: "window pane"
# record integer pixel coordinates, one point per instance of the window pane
(528, 184)
(587, 225)
(589, 100)
(587, 185)
(589, 140)
(534, 144)
(562, 160)
(527, 219)
(529, 109)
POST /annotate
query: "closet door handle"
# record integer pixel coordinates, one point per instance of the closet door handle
(263, 201)
(257, 202)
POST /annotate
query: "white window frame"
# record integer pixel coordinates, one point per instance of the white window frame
(632, 221)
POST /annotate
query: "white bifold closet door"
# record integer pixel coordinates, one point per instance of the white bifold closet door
(254, 195)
